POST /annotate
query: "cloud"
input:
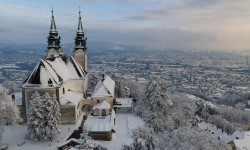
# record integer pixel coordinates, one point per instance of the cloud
(164, 24)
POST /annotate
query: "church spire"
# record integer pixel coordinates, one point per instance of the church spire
(80, 51)
(53, 23)
(80, 29)
(54, 46)
(80, 40)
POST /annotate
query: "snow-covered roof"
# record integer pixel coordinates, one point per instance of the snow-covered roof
(105, 126)
(242, 144)
(102, 105)
(53, 72)
(123, 102)
(71, 98)
(241, 135)
(101, 127)
(100, 123)
(105, 88)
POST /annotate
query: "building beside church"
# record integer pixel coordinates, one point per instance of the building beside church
(60, 74)
(65, 77)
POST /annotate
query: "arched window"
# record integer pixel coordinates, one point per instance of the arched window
(63, 90)
(103, 112)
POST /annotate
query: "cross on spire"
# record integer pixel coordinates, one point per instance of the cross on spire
(80, 28)
(53, 38)
(53, 23)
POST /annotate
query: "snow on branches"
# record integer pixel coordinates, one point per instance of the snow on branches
(9, 112)
(87, 143)
(127, 88)
(43, 117)
(155, 105)
(143, 140)
(170, 119)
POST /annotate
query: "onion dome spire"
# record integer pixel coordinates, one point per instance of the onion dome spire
(53, 23)
(54, 46)
(80, 29)
(80, 40)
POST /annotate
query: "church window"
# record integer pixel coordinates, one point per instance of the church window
(63, 90)
(103, 112)
(49, 82)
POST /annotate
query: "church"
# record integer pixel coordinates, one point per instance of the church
(60, 74)
(65, 77)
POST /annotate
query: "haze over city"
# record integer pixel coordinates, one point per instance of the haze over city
(158, 24)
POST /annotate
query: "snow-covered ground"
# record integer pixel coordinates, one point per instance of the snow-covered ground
(15, 134)
(219, 134)
(123, 136)
(207, 103)
(124, 124)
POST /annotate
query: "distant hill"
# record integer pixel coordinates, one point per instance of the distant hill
(94, 48)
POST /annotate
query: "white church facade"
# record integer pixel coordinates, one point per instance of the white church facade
(65, 77)
(60, 74)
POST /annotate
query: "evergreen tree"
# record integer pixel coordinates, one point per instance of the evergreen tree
(12, 87)
(53, 117)
(36, 120)
(156, 100)
(88, 144)
(155, 105)
(43, 117)
(92, 82)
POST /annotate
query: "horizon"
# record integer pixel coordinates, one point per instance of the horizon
(159, 24)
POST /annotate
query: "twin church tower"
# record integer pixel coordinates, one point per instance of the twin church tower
(62, 76)
(80, 51)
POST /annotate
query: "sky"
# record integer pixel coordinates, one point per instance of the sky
(156, 24)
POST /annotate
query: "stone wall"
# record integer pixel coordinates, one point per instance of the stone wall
(68, 115)
(26, 98)
(107, 136)
(22, 113)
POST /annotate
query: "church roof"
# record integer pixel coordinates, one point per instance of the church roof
(71, 98)
(53, 72)
(105, 88)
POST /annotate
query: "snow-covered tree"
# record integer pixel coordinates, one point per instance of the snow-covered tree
(92, 81)
(135, 89)
(127, 88)
(156, 96)
(53, 116)
(43, 117)
(126, 91)
(156, 100)
(88, 144)
(10, 86)
(170, 118)
(155, 106)
(144, 139)
(9, 112)
(36, 119)
(189, 138)
(119, 85)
